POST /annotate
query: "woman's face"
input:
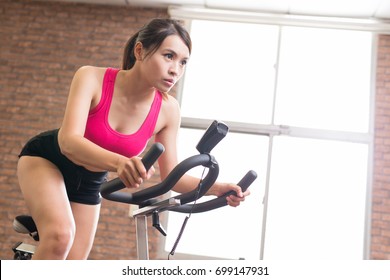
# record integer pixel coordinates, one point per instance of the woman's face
(166, 66)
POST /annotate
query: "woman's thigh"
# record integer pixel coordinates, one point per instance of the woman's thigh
(45, 194)
(86, 218)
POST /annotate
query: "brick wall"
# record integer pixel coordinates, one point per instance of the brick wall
(380, 235)
(41, 46)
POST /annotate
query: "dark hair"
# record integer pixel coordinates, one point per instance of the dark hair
(151, 36)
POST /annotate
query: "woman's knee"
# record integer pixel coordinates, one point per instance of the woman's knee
(58, 238)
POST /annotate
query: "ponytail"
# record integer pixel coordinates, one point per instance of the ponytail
(128, 56)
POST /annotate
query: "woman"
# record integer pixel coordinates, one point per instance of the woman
(109, 118)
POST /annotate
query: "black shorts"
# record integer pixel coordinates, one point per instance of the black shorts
(82, 185)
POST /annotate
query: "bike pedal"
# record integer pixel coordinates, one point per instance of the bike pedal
(23, 251)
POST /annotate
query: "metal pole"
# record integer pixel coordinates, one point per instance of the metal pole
(142, 237)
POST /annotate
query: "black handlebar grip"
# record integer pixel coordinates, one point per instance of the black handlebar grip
(220, 201)
(244, 183)
(107, 189)
(247, 180)
(152, 155)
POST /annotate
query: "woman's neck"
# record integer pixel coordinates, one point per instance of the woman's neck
(133, 85)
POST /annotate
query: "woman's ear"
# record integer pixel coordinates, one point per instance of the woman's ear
(138, 51)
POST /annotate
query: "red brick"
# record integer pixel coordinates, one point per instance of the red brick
(43, 43)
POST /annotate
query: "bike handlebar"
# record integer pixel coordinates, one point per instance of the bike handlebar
(111, 190)
(218, 202)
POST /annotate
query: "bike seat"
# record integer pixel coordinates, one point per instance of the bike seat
(25, 224)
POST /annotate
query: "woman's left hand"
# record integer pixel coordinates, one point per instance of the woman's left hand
(219, 189)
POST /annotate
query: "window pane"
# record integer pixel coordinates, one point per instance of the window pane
(318, 187)
(316, 204)
(231, 72)
(227, 232)
(324, 79)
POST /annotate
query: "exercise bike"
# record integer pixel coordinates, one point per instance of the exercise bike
(148, 201)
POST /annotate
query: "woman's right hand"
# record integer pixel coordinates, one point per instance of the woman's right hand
(132, 172)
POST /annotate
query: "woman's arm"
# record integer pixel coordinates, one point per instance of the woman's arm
(85, 92)
(168, 160)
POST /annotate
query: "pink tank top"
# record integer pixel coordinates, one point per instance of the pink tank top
(99, 131)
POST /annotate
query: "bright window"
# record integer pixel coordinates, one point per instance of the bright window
(317, 207)
(298, 100)
(230, 64)
(324, 79)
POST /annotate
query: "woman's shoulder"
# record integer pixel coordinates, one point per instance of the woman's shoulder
(88, 81)
(90, 72)
(169, 114)
(90, 78)
(170, 104)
